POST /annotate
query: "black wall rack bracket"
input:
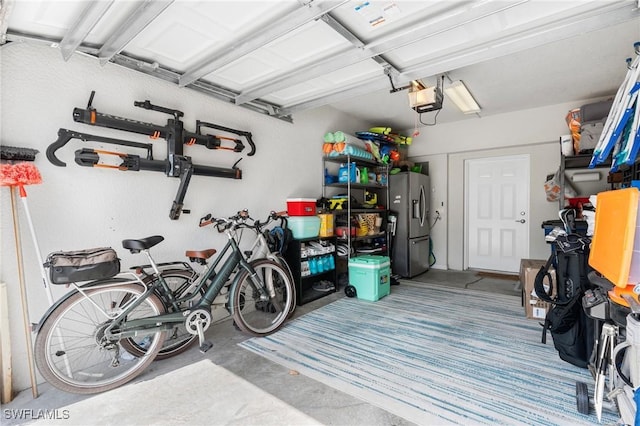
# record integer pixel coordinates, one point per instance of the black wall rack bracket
(175, 165)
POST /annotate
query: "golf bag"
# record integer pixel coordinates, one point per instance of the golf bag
(571, 329)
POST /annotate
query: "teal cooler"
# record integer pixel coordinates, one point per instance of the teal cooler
(371, 276)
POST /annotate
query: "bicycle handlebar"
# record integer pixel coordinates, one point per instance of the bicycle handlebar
(240, 220)
(273, 215)
(222, 224)
(206, 220)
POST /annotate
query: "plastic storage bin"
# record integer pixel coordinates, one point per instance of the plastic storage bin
(615, 249)
(304, 226)
(371, 276)
(301, 206)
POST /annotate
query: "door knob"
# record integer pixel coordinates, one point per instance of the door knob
(521, 221)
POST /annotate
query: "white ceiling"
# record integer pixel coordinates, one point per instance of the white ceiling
(283, 57)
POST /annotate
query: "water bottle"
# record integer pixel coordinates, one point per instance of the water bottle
(325, 263)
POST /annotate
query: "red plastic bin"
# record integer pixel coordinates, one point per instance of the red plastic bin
(301, 206)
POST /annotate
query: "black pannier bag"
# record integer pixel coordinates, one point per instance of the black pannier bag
(82, 265)
(571, 329)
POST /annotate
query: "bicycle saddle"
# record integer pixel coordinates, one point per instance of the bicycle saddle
(200, 256)
(142, 244)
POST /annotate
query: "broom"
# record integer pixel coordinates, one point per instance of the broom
(17, 175)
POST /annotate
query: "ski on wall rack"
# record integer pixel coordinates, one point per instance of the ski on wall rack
(176, 164)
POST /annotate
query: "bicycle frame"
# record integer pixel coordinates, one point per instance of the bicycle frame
(260, 250)
(260, 247)
(122, 328)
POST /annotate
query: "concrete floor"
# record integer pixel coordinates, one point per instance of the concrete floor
(320, 402)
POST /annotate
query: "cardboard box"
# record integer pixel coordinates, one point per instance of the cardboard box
(534, 307)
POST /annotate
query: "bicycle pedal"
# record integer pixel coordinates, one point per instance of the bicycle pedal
(205, 346)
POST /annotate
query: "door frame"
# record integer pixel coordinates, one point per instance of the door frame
(527, 184)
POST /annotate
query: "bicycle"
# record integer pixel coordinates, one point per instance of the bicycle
(270, 246)
(82, 339)
(180, 277)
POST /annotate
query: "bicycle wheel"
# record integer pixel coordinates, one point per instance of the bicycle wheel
(282, 261)
(178, 339)
(254, 315)
(72, 352)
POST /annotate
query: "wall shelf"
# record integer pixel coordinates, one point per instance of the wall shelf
(297, 255)
(352, 207)
(580, 163)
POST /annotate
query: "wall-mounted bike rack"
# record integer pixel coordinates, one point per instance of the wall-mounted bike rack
(175, 165)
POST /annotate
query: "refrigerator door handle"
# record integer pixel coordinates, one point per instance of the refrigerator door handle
(423, 204)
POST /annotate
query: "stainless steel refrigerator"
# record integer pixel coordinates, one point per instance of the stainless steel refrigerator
(409, 199)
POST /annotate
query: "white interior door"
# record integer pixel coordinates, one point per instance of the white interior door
(497, 212)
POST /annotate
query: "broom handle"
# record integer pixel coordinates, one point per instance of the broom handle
(23, 294)
(45, 279)
(5, 347)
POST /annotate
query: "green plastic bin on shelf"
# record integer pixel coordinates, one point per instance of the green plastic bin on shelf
(371, 276)
(304, 226)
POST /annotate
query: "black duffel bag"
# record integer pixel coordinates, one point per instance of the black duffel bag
(82, 265)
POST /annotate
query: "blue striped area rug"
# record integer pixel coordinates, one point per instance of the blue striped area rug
(435, 355)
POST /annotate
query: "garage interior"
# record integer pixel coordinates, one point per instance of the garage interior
(289, 73)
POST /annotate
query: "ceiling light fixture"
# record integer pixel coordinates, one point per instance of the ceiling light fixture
(460, 95)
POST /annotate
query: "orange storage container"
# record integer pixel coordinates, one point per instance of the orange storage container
(613, 243)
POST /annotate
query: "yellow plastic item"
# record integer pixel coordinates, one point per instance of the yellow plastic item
(337, 203)
(614, 232)
(401, 139)
(326, 225)
(380, 130)
(362, 229)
